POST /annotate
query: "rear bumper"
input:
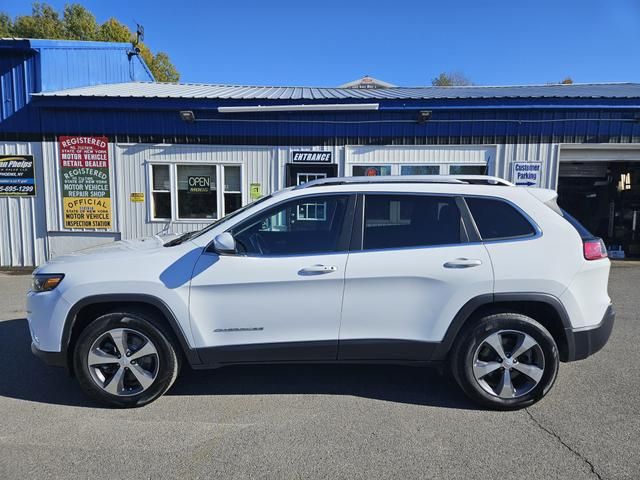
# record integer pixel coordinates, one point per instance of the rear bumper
(583, 343)
(53, 359)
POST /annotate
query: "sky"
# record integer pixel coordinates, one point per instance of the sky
(407, 43)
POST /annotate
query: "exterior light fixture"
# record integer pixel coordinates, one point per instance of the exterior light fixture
(187, 116)
(424, 116)
(321, 107)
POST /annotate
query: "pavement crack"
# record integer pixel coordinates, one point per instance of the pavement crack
(564, 444)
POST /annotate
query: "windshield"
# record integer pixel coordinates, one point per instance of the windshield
(196, 233)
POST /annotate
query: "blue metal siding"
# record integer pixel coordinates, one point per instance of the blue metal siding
(65, 67)
(28, 67)
(17, 81)
(381, 127)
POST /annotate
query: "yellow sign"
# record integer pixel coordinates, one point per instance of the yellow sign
(137, 197)
(255, 191)
(87, 212)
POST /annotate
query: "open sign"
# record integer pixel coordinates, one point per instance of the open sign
(199, 184)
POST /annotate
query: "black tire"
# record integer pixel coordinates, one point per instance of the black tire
(166, 370)
(471, 341)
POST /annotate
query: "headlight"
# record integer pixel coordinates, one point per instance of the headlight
(45, 282)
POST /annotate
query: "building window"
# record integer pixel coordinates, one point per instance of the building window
(160, 192)
(309, 177)
(420, 170)
(232, 189)
(371, 170)
(468, 170)
(197, 192)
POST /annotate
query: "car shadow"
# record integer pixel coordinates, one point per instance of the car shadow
(25, 377)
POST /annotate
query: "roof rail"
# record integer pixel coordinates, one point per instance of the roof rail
(451, 179)
(483, 180)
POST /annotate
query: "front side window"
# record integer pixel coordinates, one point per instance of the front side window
(398, 221)
(197, 197)
(497, 220)
(312, 224)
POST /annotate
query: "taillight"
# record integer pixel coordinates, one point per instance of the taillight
(594, 249)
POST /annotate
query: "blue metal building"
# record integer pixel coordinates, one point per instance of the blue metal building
(248, 140)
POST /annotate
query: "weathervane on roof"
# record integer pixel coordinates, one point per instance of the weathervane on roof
(135, 50)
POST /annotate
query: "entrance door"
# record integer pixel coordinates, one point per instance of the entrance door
(299, 174)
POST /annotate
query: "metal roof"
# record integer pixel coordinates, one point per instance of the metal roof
(239, 92)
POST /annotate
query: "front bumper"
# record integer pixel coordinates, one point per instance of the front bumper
(583, 343)
(53, 359)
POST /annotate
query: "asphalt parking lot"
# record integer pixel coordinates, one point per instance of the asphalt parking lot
(322, 421)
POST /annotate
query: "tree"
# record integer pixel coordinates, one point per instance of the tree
(44, 22)
(114, 31)
(6, 26)
(451, 79)
(78, 23)
(567, 81)
(163, 70)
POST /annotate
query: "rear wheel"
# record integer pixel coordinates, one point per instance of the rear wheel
(505, 361)
(124, 360)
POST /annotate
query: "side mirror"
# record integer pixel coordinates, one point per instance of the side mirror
(224, 243)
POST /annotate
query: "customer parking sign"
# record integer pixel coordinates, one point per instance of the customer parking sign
(527, 174)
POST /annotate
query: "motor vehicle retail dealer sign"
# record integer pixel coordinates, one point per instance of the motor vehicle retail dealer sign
(17, 177)
(84, 172)
(527, 174)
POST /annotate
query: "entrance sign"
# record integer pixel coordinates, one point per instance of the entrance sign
(86, 187)
(527, 174)
(311, 157)
(17, 175)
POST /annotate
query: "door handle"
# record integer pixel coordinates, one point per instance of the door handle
(463, 263)
(318, 269)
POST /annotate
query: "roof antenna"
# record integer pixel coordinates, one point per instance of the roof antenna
(135, 50)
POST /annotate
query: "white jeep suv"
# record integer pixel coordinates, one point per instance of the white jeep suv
(492, 278)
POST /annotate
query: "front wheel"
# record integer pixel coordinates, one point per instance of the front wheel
(505, 361)
(124, 360)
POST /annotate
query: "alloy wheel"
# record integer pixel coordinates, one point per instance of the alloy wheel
(508, 364)
(123, 362)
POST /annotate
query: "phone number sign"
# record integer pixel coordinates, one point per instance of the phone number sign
(86, 186)
(17, 176)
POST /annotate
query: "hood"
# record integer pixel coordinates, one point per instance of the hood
(146, 244)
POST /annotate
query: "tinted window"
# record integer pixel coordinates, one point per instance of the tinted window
(496, 219)
(304, 225)
(584, 233)
(396, 221)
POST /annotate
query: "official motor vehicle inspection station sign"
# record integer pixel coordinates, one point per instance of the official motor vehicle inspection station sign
(17, 176)
(86, 187)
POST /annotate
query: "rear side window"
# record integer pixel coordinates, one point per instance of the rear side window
(498, 220)
(582, 230)
(397, 221)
